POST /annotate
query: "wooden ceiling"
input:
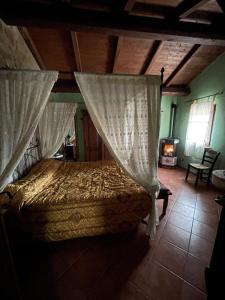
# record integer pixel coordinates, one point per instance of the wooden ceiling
(121, 37)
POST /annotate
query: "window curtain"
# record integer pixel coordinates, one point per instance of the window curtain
(71, 131)
(126, 113)
(54, 126)
(23, 96)
(199, 127)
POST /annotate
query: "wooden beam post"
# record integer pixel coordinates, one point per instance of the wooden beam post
(118, 47)
(186, 7)
(152, 57)
(187, 57)
(129, 5)
(76, 50)
(221, 4)
(30, 44)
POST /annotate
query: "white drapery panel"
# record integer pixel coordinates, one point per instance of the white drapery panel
(126, 113)
(23, 97)
(199, 127)
(54, 125)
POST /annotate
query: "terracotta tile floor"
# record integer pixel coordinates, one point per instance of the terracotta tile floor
(130, 266)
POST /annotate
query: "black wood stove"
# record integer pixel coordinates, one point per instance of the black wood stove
(168, 145)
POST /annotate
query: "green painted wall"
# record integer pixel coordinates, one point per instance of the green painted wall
(165, 115)
(210, 81)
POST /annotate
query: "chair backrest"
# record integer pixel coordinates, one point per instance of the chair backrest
(210, 157)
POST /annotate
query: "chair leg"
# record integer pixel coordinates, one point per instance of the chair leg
(197, 177)
(208, 178)
(165, 204)
(187, 173)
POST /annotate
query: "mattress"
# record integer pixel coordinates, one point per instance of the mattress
(61, 200)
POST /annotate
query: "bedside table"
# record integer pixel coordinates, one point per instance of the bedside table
(69, 152)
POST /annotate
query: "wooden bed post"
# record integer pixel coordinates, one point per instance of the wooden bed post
(9, 284)
(161, 87)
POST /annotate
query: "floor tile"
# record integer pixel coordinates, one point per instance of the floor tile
(188, 292)
(194, 272)
(130, 292)
(176, 236)
(206, 217)
(203, 230)
(171, 257)
(109, 291)
(206, 206)
(201, 248)
(180, 221)
(164, 284)
(185, 201)
(187, 198)
(185, 210)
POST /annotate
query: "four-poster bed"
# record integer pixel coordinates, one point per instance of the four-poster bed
(59, 200)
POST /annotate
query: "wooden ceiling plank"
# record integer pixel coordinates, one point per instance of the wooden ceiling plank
(73, 19)
(76, 50)
(152, 57)
(30, 44)
(129, 5)
(182, 63)
(116, 57)
(221, 4)
(186, 7)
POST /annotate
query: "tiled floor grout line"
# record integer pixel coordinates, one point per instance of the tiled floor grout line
(170, 271)
(70, 266)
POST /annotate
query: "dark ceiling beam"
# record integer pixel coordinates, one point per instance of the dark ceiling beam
(30, 44)
(65, 86)
(117, 52)
(176, 90)
(186, 7)
(68, 18)
(129, 5)
(151, 10)
(152, 57)
(70, 86)
(221, 4)
(76, 50)
(182, 64)
(163, 12)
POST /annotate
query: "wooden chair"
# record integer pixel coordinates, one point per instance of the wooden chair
(205, 168)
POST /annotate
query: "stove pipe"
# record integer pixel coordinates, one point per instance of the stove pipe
(172, 119)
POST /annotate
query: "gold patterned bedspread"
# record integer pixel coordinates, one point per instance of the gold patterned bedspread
(60, 200)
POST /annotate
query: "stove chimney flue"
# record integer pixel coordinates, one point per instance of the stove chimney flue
(172, 119)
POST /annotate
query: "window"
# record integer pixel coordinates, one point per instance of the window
(199, 127)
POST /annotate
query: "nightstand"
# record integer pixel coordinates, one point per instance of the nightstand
(69, 152)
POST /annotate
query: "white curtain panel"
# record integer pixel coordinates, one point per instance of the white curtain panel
(126, 113)
(71, 130)
(54, 125)
(23, 97)
(199, 127)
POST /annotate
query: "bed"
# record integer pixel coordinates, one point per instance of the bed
(61, 200)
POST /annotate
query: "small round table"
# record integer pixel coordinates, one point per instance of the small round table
(218, 179)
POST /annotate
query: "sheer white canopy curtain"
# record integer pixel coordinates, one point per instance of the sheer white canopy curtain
(199, 127)
(23, 97)
(126, 113)
(54, 125)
